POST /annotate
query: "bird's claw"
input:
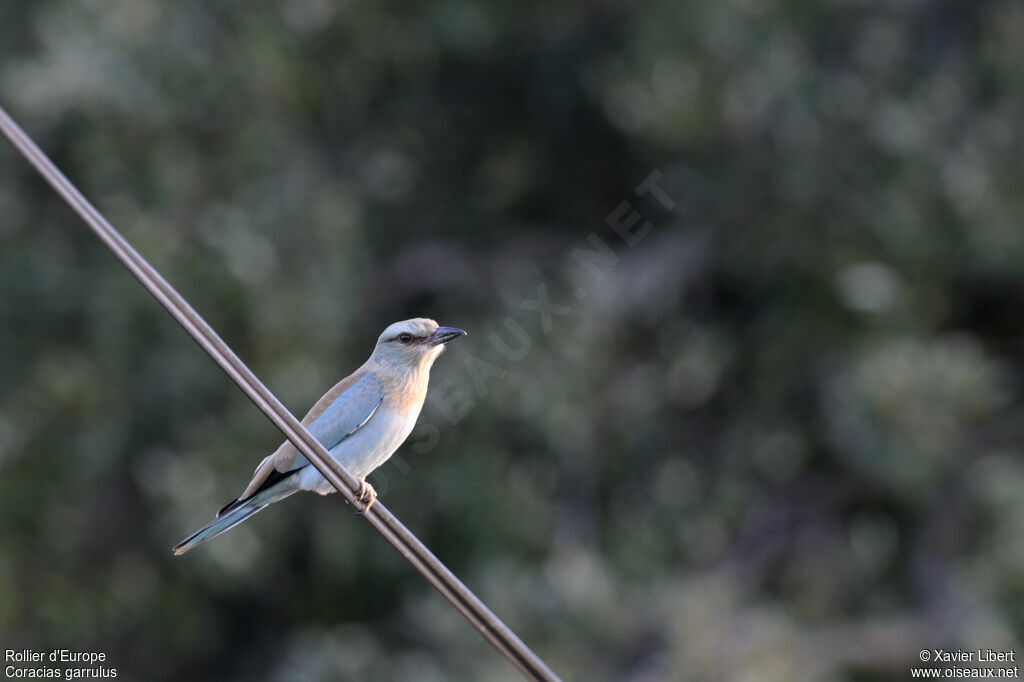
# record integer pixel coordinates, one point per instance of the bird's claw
(366, 492)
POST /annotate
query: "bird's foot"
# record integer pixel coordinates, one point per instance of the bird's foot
(367, 495)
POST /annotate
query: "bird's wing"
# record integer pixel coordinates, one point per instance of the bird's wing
(342, 411)
(349, 412)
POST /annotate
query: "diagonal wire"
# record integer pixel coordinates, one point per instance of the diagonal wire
(407, 544)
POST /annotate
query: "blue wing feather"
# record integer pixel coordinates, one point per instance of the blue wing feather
(349, 412)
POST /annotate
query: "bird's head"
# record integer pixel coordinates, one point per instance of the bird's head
(413, 344)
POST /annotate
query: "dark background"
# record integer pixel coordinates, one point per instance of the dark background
(777, 439)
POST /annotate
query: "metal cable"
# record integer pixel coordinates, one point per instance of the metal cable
(407, 544)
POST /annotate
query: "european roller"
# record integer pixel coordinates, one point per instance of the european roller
(361, 422)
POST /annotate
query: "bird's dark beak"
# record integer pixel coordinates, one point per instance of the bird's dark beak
(444, 335)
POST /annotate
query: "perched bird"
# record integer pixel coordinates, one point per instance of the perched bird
(361, 422)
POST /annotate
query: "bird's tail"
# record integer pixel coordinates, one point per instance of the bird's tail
(238, 511)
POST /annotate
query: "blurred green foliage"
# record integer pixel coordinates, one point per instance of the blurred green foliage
(778, 439)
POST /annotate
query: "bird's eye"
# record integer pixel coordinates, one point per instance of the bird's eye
(405, 337)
